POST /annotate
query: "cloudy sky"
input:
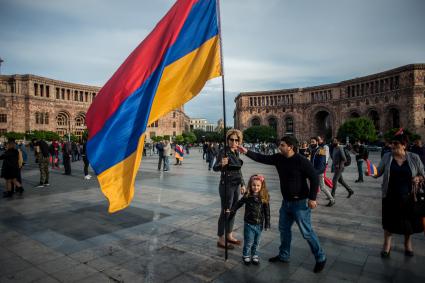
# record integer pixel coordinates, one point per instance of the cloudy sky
(270, 44)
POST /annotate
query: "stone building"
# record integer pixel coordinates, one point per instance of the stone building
(29, 102)
(394, 98)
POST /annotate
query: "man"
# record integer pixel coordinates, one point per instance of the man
(361, 154)
(298, 198)
(318, 159)
(338, 161)
(160, 149)
(66, 157)
(419, 149)
(167, 153)
(41, 150)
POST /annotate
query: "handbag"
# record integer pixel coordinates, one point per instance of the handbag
(418, 192)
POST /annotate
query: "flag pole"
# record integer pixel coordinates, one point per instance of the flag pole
(226, 214)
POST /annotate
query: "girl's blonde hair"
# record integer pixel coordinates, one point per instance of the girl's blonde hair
(235, 132)
(264, 193)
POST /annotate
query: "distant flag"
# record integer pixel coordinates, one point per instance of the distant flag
(371, 169)
(166, 70)
(399, 132)
(179, 152)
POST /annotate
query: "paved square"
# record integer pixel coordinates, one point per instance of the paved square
(64, 234)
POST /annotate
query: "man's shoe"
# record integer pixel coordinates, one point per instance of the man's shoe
(350, 193)
(358, 181)
(277, 259)
(319, 266)
(331, 203)
(46, 184)
(40, 186)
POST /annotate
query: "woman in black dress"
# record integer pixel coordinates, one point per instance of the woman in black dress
(230, 167)
(400, 169)
(10, 169)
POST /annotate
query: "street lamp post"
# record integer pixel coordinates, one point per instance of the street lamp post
(1, 61)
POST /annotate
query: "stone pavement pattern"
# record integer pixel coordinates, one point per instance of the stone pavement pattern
(63, 233)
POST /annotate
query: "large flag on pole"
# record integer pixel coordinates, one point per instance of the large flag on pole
(166, 70)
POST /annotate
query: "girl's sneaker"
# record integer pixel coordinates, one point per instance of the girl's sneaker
(246, 260)
(255, 260)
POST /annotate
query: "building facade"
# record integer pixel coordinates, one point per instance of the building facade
(201, 124)
(29, 102)
(391, 99)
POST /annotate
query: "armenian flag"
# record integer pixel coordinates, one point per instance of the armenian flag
(168, 68)
(179, 152)
(371, 169)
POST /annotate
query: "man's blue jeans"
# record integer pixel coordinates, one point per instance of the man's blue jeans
(299, 212)
(251, 238)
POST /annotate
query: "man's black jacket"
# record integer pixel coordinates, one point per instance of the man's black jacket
(293, 174)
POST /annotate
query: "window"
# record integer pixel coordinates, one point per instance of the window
(46, 118)
(37, 118)
(2, 102)
(47, 91)
(41, 90)
(174, 124)
(75, 95)
(68, 94)
(289, 125)
(81, 96)
(63, 94)
(3, 118)
(57, 93)
(36, 89)
(3, 131)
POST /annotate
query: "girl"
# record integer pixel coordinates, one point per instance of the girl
(257, 217)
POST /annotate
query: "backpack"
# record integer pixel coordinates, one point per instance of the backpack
(348, 156)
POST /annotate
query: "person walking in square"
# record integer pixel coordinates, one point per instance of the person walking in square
(41, 149)
(318, 159)
(167, 153)
(257, 217)
(298, 197)
(10, 169)
(338, 161)
(160, 149)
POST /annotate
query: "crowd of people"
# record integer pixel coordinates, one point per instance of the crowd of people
(302, 173)
(47, 154)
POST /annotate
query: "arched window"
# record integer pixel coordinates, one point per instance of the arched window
(255, 122)
(289, 125)
(79, 121)
(273, 123)
(62, 119)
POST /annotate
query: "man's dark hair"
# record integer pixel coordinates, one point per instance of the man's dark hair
(291, 141)
(314, 138)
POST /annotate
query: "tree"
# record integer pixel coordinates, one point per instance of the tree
(14, 135)
(358, 129)
(179, 139)
(156, 138)
(260, 134)
(189, 137)
(200, 135)
(388, 136)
